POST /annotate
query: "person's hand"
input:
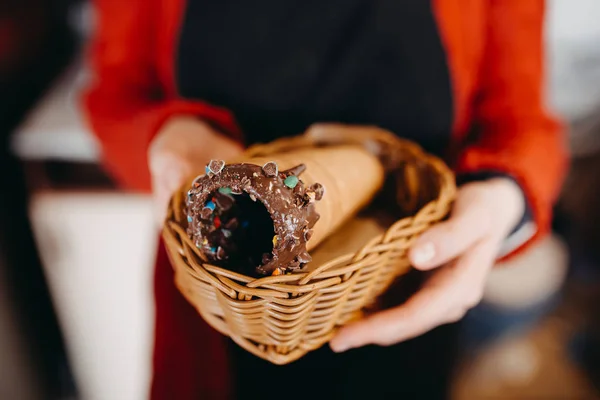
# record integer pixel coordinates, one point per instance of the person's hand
(183, 147)
(459, 253)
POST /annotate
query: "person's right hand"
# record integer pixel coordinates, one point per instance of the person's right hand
(183, 147)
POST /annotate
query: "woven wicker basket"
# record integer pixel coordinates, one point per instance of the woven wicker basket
(281, 318)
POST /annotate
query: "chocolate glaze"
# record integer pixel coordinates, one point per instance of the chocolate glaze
(290, 205)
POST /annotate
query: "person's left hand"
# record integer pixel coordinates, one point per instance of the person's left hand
(460, 253)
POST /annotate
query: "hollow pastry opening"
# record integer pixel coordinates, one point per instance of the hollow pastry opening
(252, 219)
(237, 231)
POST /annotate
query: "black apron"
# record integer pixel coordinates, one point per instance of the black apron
(282, 65)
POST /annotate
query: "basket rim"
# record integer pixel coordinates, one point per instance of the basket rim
(324, 275)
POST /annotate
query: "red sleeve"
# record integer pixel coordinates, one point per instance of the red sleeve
(125, 103)
(517, 135)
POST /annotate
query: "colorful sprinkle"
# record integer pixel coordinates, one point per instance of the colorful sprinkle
(207, 170)
(213, 249)
(225, 190)
(190, 219)
(277, 272)
(210, 205)
(217, 222)
(291, 181)
(275, 240)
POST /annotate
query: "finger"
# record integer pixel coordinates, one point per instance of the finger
(443, 299)
(169, 171)
(168, 174)
(160, 200)
(447, 240)
(473, 269)
(167, 183)
(392, 326)
(466, 277)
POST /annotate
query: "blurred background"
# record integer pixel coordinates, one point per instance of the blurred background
(76, 254)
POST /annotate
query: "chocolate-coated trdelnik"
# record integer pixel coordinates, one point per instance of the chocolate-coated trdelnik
(252, 219)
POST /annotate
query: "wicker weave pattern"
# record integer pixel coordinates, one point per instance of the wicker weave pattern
(281, 318)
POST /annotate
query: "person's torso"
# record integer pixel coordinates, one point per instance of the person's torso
(280, 66)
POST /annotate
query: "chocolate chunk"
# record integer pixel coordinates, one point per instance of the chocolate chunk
(266, 258)
(216, 166)
(299, 189)
(245, 183)
(290, 243)
(232, 224)
(308, 234)
(309, 196)
(299, 201)
(220, 239)
(319, 191)
(206, 213)
(304, 258)
(294, 266)
(224, 202)
(270, 169)
(297, 171)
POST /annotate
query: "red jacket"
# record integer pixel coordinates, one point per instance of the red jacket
(496, 59)
(495, 53)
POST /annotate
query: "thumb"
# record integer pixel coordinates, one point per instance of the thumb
(447, 240)
(168, 174)
(168, 170)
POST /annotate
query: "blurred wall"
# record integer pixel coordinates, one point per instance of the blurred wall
(573, 49)
(35, 44)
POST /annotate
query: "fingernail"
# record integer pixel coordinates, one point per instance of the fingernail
(424, 253)
(338, 347)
